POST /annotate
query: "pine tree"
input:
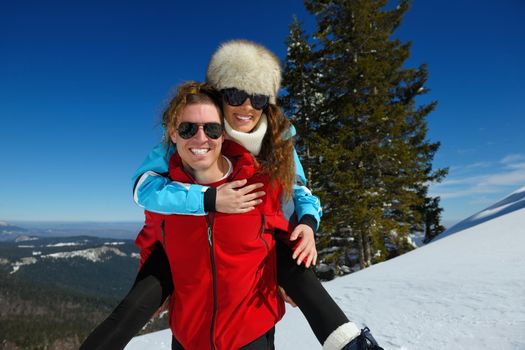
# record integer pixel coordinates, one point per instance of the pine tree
(301, 77)
(304, 104)
(364, 135)
(431, 212)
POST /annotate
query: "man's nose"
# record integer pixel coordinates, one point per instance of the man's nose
(201, 135)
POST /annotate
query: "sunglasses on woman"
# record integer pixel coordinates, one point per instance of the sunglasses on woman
(187, 130)
(236, 97)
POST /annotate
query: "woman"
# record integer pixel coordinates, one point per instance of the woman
(249, 77)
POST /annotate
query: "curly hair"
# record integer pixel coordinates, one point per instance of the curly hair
(276, 156)
(189, 93)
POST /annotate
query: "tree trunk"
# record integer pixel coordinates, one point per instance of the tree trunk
(366, 249)
(361, 250)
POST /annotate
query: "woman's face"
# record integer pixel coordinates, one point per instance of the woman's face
(200, 153)
(242, 118)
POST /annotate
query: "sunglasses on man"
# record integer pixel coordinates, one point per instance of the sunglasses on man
(187, 130)
(236, 97)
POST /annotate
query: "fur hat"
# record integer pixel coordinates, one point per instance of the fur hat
(246, 66)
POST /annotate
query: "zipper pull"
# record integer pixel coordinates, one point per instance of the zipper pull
(209, 220)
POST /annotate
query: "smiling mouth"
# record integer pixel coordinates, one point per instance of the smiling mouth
(199, 151)
(244, 117)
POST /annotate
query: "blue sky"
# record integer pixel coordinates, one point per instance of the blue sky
(82, 86)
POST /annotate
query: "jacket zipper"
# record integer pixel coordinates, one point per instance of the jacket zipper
(163, 233)
(209, 220)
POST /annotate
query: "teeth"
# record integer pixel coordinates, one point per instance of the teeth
(244, 117)
(199, 150)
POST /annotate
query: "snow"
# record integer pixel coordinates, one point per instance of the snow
(514, 201)
(494, 211)
(24, 261)
(92, 254)
(160, 340)
(465, 290)
(25, 238)
(114, 243)
(64, 244)
(416, 239)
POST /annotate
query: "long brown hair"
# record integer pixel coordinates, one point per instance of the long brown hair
(276, 156)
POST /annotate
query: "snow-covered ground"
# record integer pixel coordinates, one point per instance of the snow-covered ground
(465, 290)
(91, 254)
(97, 254)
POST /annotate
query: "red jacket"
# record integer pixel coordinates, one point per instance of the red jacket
(223, 265)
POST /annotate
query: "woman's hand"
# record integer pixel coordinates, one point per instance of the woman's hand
(233, 198)
(306, 249)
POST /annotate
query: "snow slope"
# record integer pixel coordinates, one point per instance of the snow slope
(463, 291)
(514, 201)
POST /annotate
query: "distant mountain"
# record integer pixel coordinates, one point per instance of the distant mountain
(66, 261)
(60, 288)
(10, 232)
(116, 230)
(25, 238)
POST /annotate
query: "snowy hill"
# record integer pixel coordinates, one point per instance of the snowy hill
(463, 291)
(9, 232)
(25, 251)
(514, 201)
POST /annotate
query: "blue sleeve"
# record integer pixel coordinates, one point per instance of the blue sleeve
(303, 199)
(154, 191)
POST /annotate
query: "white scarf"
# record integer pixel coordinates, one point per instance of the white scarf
(252, 141)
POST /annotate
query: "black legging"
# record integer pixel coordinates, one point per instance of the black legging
(151, 288)
(303, 286)
(154, 284)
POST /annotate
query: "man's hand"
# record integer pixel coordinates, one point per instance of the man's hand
(233, 198)
(286, 298)
(306, 249)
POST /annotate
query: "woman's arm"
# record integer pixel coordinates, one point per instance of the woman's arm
(305, 203)
(308, 211)
(154, 191)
